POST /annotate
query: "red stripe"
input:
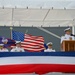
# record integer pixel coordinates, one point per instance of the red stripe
(34, 43)
(37, 40)
(28, 35)
(31, 43)
(32, 49)
(34, 38)
(37, 68)
(35, 47)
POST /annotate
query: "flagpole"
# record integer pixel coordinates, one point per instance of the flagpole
(26, 31)
(11, 32)
(11, 28)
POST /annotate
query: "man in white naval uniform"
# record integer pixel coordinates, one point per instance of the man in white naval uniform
(2, 49)
(67, 36)
(18, 47)
(49, 49)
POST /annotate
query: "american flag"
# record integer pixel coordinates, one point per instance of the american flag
(18, 36)
(33, 43)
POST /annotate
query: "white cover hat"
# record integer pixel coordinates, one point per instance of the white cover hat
(18, 42)
(49, 43)
(4, 40)
(67, 29)
(1, 44)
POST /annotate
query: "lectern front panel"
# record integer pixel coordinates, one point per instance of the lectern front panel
(68, 45)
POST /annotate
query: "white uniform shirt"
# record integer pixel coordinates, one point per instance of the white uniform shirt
(66, 37)
(17, 49)
(49, 50)
(4, 50)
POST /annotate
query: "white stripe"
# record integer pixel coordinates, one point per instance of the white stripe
(37, 60)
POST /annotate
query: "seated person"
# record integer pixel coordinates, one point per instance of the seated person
(2, 49)
(18, 47)
(49, 49)
(4, 41)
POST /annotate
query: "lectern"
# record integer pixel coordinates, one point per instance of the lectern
(68, 45)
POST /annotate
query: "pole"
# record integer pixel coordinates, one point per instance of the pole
(73, 26)
(11, 24)
(12, 16)
(26, 31)
(11, 32)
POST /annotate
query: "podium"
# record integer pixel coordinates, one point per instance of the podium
(68, 45)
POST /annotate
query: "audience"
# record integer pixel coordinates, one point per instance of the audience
(2, 49)
(18, 47)
(49, 49)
